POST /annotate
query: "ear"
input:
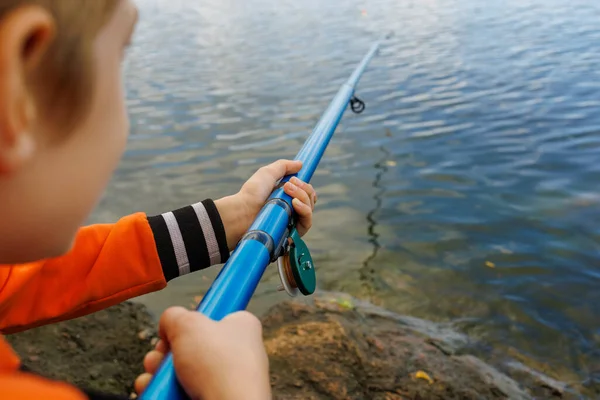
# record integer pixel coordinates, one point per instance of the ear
(25, 35)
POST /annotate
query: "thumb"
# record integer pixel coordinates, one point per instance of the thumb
(277, 170)
(178, 321)
(244, 321)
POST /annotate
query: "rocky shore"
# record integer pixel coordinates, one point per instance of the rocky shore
(328, 346)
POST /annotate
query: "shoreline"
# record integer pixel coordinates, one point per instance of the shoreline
(328, 346)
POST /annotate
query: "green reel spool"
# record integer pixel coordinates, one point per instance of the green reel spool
(297, 268)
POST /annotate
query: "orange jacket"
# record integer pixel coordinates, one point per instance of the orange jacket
(109, 263)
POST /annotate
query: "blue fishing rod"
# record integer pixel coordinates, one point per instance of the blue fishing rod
(271, 237)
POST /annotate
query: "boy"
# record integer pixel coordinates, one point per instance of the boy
(63, 128)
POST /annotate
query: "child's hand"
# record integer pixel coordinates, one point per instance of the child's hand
(257, 189)
(213, 360)
(239, 211)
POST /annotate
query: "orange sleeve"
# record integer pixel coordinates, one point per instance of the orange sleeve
(107, 265)
(26, 386)
(110, 263)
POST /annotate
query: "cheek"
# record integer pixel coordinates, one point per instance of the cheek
(109, 121)
(54, 196)
(100, 142)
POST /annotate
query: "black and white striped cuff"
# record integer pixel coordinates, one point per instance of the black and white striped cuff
(189, 239)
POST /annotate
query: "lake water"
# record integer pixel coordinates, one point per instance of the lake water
(469, 189)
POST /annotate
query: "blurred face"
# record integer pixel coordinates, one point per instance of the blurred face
(49, 187)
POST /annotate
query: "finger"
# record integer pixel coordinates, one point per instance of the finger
(161, 346)
(297, 193)
(152, 361)
(141, 382)
(305, 213)
(308, 188)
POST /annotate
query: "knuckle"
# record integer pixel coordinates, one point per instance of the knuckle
(302, 212)
(174, 315)
(247, 319)
(149, 356)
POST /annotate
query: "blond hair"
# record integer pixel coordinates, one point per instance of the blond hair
(63, 84)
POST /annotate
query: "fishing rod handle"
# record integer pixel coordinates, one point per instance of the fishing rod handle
(164, 384)
(230, 292)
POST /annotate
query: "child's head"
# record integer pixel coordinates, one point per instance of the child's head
(63, 123)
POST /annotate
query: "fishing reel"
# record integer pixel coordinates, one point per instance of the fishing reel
(296, 267)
